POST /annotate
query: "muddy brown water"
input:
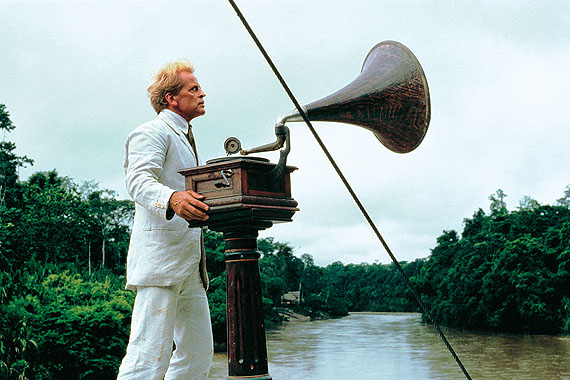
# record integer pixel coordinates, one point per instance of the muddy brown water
(399, 346)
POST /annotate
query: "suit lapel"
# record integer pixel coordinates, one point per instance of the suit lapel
(180, 135)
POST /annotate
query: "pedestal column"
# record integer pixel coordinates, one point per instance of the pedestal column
(247, 352)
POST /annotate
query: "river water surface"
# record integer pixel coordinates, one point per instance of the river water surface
(399, 346)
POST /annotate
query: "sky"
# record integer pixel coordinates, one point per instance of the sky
(73, 76)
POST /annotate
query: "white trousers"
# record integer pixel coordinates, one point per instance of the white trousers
(162, 315)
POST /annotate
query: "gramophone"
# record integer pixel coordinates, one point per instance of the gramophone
(390, 98)
(247, 194)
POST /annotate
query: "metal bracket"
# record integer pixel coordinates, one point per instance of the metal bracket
(283, 138)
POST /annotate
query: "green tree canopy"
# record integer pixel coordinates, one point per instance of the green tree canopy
(507, 272)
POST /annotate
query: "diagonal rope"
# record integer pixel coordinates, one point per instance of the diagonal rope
(303, 114)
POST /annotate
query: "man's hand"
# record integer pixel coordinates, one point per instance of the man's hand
(188, 205)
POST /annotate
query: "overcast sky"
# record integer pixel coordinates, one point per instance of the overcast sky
(73, 76)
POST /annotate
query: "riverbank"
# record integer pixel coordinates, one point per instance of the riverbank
(288, 315)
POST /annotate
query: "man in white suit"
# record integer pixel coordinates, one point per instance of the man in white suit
(166, 260)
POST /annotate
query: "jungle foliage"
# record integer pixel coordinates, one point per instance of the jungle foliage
(64, 312)
(66, 315)
(508, 271)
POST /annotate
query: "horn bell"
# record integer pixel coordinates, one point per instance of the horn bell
(390, 97)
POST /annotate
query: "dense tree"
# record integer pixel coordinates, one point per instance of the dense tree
(55, 222)
(507, 272)
(57, 325)
(281, 271)
(565, 200)
(9, 163)
(498, 203)
(110, 231)
(214, 244)
(9, 189)
(528, 204)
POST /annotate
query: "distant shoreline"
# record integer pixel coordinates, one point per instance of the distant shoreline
(293, 317)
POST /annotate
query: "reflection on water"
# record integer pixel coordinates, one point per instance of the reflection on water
(399, 346)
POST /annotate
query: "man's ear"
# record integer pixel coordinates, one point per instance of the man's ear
(169, 97)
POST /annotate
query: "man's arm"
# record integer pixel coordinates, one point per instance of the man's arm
(144, 159)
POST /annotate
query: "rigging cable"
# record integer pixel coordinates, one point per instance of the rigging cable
(303, 114)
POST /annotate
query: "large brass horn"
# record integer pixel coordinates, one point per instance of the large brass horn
(390, 97)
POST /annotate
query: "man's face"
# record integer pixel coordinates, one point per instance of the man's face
(189, 102)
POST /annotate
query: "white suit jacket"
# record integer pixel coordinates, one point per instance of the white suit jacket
(163, 250)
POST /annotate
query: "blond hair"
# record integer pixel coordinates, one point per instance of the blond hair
(167, 80)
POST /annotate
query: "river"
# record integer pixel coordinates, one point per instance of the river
(399, 346)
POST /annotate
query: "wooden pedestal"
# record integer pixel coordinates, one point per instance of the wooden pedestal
(244, 198)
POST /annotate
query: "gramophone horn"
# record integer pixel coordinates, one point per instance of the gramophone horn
(390, 97)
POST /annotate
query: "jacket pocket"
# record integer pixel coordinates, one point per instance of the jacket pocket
(158, 224)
